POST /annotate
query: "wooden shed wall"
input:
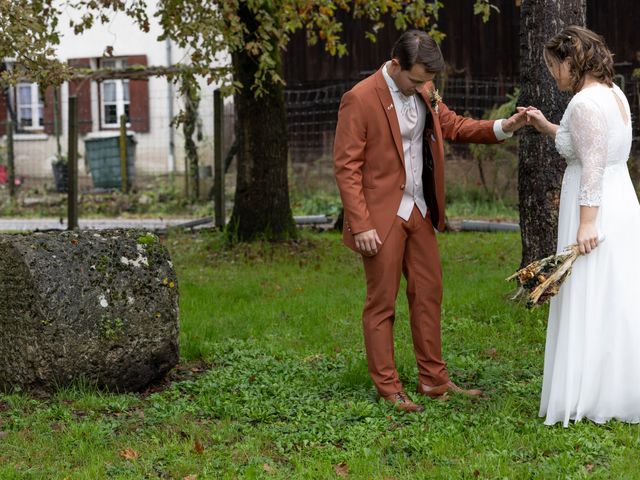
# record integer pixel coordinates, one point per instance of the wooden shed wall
(471, 48)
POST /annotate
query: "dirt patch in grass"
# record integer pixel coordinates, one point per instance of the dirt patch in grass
(180, 373)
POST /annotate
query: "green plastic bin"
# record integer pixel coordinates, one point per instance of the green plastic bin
(103, 159)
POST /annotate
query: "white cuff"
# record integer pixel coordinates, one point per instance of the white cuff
(497, 130)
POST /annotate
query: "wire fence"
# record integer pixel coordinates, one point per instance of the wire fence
(312, 113)
(158, 163)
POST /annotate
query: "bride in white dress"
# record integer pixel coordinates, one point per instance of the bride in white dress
(592, 356)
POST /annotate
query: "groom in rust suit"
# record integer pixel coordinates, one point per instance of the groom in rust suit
(389, 167)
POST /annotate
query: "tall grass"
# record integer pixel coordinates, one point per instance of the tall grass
(288, 395)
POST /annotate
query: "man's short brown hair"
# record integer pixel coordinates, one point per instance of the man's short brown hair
(416, 46)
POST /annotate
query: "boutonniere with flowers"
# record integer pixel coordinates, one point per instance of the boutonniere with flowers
(435, 99)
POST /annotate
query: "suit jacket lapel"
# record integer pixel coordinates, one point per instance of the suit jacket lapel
(382, 89)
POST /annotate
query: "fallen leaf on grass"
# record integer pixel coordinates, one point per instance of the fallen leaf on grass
(444, 397)
(129, 454)
(198, 446)
(589, 467)
(267, 468)
(191, 477)
(491, 353)
(56, 426)
(342, 470)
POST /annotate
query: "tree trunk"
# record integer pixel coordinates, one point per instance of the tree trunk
(192, 101)
(261, 208)
(540, 167)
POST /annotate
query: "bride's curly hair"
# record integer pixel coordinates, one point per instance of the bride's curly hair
(587, 53)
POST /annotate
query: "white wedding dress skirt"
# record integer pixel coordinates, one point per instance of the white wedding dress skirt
(592, 356)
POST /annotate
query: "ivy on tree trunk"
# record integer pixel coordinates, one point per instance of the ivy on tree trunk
(190, 122)
(540, 167)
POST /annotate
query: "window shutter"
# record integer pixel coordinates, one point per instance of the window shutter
(82, 89)
(138, 98)
(49, 110)
(3, 111)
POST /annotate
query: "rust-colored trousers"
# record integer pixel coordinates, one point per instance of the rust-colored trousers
(410, 248)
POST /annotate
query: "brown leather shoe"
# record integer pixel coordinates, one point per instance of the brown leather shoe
(402, 402)
(441, 390)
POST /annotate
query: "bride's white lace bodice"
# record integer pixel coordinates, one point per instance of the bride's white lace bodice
(593, 135)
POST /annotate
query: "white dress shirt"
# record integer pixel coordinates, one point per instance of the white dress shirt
(412, 114)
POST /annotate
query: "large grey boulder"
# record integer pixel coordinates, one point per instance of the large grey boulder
(88, 306)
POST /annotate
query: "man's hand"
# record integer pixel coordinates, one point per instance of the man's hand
(516, 121)
(367, 242)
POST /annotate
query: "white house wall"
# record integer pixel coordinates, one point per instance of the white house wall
(33, 152)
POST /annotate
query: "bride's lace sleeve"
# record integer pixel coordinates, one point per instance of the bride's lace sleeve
(588, 131)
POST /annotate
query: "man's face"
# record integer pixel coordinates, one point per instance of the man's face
(409, 81)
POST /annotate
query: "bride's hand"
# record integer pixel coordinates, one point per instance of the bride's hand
(536, 119)
(587, 237)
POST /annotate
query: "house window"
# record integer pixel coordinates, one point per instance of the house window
(29, 106)
(114, 96)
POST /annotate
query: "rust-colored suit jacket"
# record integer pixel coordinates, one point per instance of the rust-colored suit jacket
(368, 156)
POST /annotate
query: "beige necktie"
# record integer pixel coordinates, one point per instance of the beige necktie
(409, 110)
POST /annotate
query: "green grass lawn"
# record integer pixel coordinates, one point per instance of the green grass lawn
(288, 395)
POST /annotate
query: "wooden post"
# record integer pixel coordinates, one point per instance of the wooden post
(56, 120)
(11, 166)
(187, 170)
(218, 161)
(72, 152)
(124, 174)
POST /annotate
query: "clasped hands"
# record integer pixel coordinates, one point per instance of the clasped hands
(518, 119)
(528, 116)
